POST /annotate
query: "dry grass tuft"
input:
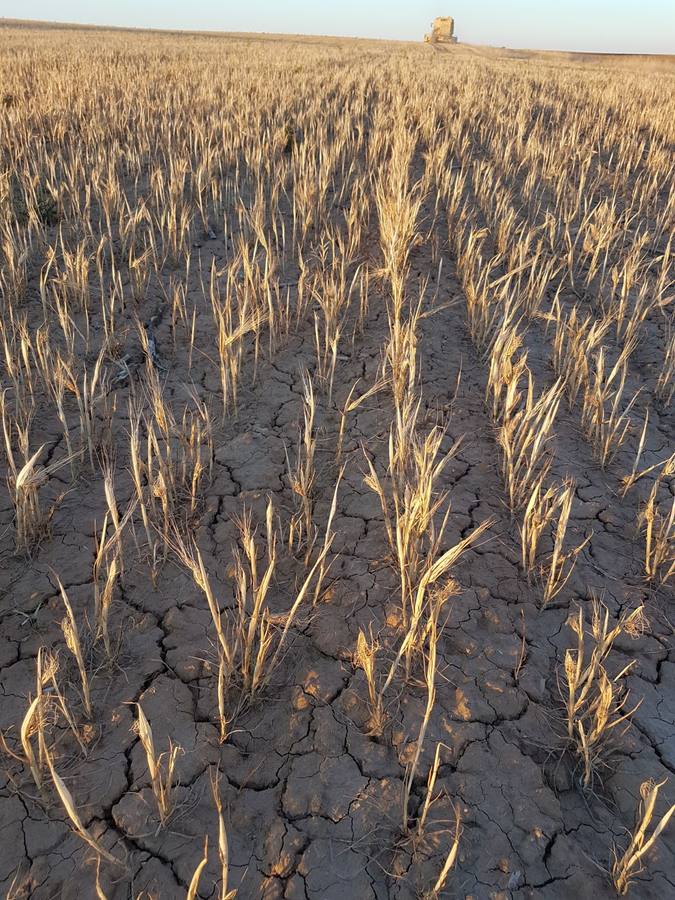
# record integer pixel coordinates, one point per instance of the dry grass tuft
(596, 704)
(161, 767)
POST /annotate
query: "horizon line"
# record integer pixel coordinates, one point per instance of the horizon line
(12, 21)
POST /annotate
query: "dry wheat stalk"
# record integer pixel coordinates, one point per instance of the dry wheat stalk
(548, 510)
(194, 881)
(665, 387)
(24, 484)
(366, 658)
(629, 865)
(430, 678)
(161, 768)
(602, 420)
(49, 666)
(659, 531)
(410, 499)
(252, 626)
(71, 634)
(524, 439)
(451, 858)
(595, 704)
(302, 530)
(223, 849)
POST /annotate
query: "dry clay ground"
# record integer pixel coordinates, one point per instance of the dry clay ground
(311, 802)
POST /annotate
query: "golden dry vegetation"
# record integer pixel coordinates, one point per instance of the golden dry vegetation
(338, 527)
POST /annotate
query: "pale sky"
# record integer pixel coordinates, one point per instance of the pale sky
(622, 26)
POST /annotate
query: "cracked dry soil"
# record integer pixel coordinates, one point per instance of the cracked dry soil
(312, 801)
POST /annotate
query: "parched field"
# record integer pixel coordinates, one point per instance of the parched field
(337, 542)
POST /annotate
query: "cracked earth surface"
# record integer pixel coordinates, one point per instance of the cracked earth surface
(311, 800)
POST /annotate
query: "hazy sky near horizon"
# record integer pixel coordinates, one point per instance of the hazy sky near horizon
(627, 26)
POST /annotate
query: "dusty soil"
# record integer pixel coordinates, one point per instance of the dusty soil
(311, 800)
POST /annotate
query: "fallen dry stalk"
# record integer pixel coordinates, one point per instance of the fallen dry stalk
(350, 405)
(78, 827)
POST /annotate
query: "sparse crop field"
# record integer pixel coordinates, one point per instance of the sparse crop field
(338, 514)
